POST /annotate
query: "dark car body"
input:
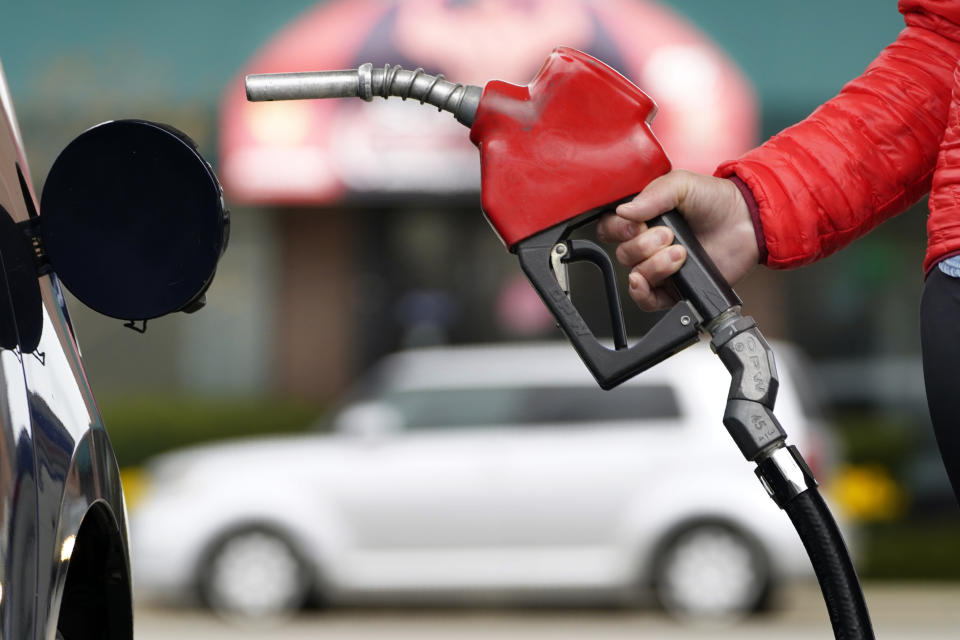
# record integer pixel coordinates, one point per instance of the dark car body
(64, 567)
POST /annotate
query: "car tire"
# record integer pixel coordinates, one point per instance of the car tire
(711, 572)
(255, 573)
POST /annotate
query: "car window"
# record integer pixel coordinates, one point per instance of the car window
(501, 406)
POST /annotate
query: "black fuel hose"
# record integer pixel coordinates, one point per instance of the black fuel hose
(832, 565)
(781, 469)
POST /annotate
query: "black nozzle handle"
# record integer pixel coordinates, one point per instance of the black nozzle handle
(698, 281)
(675, 331)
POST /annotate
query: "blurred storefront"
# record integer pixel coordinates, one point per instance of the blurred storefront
(380, 240)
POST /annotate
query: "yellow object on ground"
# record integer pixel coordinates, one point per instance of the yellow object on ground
(867, 493)
(134, 484)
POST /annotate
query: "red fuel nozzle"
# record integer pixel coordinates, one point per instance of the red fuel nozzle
(576, 139)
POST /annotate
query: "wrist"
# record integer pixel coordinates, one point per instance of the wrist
(749, 204)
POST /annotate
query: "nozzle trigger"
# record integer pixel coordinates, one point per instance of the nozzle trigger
(558, 263)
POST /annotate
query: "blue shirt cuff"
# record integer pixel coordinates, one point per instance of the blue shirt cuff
(951, 266)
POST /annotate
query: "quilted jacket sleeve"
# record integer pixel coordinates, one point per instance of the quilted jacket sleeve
(865, 155)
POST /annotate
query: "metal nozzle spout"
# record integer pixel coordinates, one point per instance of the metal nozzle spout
(300, 86)
(367, 82)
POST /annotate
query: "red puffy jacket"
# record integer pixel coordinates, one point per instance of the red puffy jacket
(887, 138)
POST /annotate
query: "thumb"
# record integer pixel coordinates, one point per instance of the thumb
(661, 195)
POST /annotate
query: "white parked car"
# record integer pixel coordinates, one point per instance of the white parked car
(496, 470)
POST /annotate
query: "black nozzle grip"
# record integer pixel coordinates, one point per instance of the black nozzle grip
(676, 330)
(699, 280)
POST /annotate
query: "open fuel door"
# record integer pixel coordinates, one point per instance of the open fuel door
(132, 221)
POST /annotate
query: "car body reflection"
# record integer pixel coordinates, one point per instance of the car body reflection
(63, 560)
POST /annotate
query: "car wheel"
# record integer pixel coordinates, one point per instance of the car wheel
(255, 573)
(711, 572)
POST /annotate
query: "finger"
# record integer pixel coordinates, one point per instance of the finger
(643, 246)
(661, 195)
(661, 265)
(646, 297)
(613, 228)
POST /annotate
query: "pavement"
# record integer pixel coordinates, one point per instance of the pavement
(899, 610)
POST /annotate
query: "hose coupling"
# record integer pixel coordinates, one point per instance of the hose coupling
(785, 475)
